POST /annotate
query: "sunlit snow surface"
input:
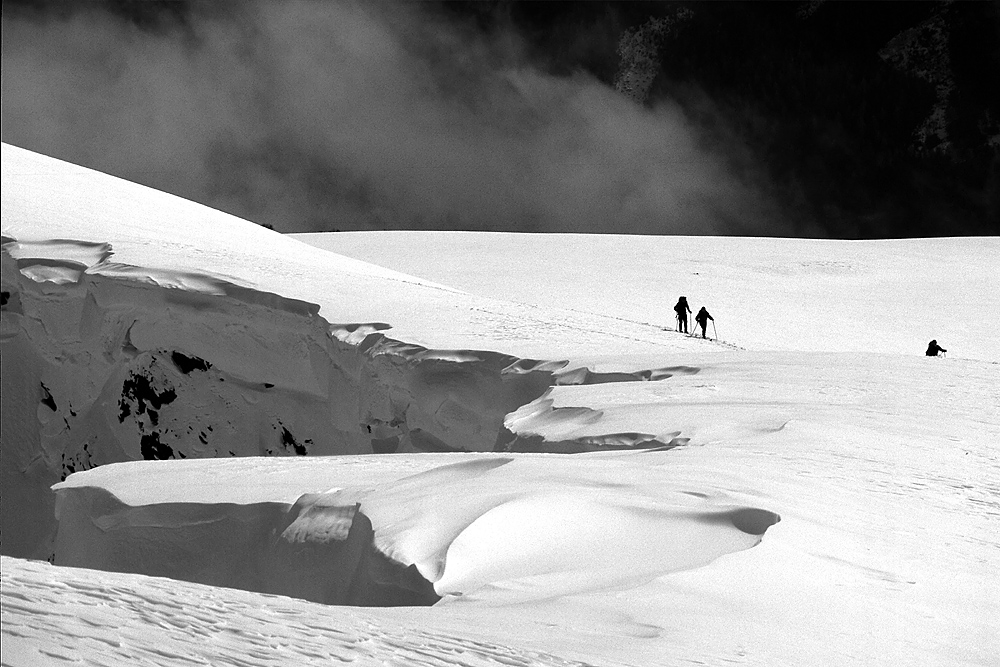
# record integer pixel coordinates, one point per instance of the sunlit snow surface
(807, 295)
(60, 616)
(881, 463)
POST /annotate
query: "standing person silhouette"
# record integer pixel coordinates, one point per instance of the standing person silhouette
(682, 309)
(702, 319)
(933, 348)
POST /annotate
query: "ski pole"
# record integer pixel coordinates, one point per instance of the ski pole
(714, 330)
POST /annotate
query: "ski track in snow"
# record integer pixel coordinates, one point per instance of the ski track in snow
(63, 616)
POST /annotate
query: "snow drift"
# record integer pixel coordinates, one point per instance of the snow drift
(420, 528)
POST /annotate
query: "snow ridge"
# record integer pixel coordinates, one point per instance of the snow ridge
(459, 526)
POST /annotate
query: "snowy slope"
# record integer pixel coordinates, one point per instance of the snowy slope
(167, 241)
(138, 326)
(889, 296)
(59, 616)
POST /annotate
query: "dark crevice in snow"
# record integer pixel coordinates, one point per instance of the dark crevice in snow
(47, 398)
(139, 394)
(71, 463)
(154, 450)
(288, 440)
(185, 364)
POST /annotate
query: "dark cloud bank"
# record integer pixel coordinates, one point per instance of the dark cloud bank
(313, 116)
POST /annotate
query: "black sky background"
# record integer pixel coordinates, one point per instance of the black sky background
(784, 118)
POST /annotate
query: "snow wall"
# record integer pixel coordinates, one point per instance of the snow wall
(99, 370)
(127, 364)
(258, 547)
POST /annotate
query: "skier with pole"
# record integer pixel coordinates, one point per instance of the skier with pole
(702, 319)
(682, 309)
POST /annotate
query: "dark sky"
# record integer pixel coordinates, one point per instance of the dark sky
(787, 119)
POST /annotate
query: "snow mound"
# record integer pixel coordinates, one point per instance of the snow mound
(552, 545)
(486, 527)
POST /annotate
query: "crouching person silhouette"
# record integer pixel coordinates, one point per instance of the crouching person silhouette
(933, 348)
(702, 319)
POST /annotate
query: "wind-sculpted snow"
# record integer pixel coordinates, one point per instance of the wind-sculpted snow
(562, 427)
(62, 616)
(259, 547)
(490, 527)
(127, 369)
(136, 364)
(139, 326)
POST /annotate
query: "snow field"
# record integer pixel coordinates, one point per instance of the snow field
(879, 462)
(806, 295)
(59, 616)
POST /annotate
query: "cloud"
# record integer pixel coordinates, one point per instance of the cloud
(314, 116)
